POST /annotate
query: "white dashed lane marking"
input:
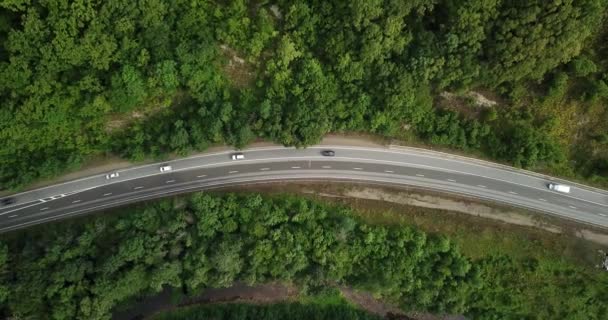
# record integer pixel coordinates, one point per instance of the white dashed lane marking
(295, 167)
(45, 208)
(13, 216)
(451, 180)
(137, 188)
(419, 175)
(264, 169)
(201, 176)
(601, 214)
(541, 199)
(107, 194)
(573, 207)
(389, 171)
(76, 201)
(169, 181)
(233, 172)
(512, 192)
(481, 186)
(358, 168)
(326, 167)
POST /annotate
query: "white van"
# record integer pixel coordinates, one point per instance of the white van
(238, 156)
(559, 187)
(165, 168)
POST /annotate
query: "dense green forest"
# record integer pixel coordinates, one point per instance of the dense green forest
(82, 79)
(293, 311)
(85, 268)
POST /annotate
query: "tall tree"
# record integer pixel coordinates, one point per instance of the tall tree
(528, 38)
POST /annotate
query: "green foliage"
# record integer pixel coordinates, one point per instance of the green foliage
(547, 291)
(323, 78)
(454, 38)
(490, 114)
(67, 67)
(582, 66)
(598, 89)
(521, 142)
(144, 80)
(128, 89)
(447, 128)
(529, 38)
(84, 270)
(15, 5)
(558, 86)
(287, 116)
(239, 29)
(293, 311)
(4, 288)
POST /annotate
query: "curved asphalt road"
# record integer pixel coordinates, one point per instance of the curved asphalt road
(388, 166)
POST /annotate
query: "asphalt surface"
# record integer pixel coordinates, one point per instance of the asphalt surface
(385, 166)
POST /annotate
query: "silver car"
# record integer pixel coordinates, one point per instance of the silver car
(112, 175)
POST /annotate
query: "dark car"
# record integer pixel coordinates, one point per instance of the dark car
(328, 153)
(7, 201)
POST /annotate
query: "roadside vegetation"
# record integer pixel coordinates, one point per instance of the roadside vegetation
(314, 307)
(477, 234)
(144, 79)
(293, 311)
(84, 269)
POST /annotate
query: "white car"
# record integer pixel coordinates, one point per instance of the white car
(112, 175)
(165, 168)
(238, 156)
(559, 187)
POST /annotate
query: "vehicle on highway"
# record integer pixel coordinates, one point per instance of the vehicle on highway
(559, 187)
(328, 153)
(7, 201)
(165, 168)
(112, 175)
(238, 156)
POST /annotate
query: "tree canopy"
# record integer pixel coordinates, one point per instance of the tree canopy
(86, 268)
(141, 79)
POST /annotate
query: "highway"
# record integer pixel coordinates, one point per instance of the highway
(376, 165)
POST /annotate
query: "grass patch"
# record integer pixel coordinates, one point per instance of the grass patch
(327, 305)
(327, 297)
